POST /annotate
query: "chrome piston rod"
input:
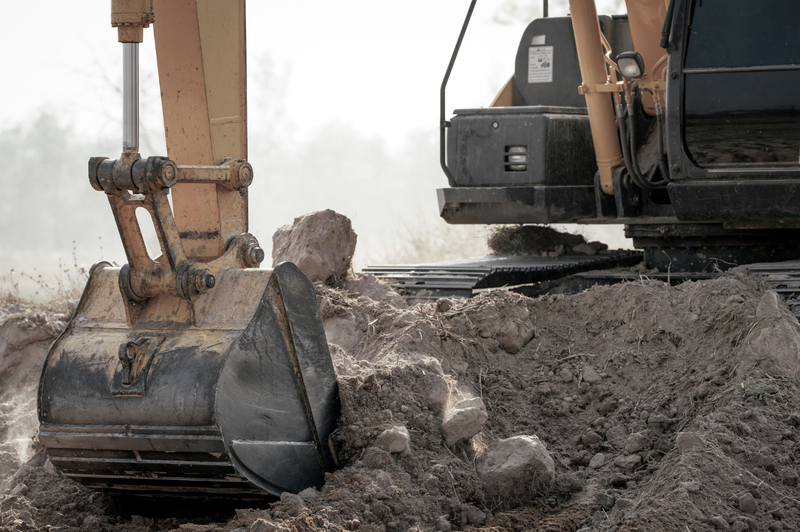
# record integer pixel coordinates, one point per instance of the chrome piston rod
(130, 97)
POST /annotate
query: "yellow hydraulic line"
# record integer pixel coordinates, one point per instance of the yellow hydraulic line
(593, 72)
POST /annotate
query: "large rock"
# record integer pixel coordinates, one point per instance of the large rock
(464, 420)
(775, 336)
(394, 440)
(515, 334)
(516, 468)
(320, 243)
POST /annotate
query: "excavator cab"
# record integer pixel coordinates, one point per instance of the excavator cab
(679, 120)
(189, 371)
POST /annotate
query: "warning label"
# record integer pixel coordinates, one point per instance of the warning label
(540, 64)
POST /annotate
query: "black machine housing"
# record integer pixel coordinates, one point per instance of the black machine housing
(731, 138)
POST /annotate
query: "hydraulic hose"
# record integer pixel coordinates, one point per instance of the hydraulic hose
(629, 147)
(662, 157)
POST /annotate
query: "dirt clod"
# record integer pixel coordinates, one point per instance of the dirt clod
(464, 420)
(516, 468)
(539, 240)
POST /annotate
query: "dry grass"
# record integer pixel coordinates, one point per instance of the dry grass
(432, 241)
(23, 288)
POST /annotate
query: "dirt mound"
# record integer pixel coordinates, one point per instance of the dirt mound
(662, 408)
(25, 335)
(538, 240)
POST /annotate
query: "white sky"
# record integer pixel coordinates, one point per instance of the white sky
(373, 65)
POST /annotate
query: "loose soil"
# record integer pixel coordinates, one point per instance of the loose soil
(663, 408)
(533, 240)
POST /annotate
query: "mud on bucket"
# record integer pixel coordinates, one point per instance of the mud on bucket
(230, 395)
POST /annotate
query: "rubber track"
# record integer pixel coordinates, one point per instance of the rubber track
(460, 278)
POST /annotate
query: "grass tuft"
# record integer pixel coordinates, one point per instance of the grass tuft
(67, 283)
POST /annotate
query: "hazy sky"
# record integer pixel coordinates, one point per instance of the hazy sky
(374, 66)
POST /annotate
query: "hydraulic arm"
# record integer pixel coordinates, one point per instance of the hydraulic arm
(191, 373)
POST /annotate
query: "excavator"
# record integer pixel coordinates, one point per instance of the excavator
(680, 120)
(189, 371)
(195, 373)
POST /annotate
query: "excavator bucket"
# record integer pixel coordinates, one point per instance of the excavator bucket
(225, 395)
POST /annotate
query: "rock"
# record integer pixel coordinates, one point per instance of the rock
(292, 504)
(590, 375)
(515, 334)
(688, 440)
(50, 469)
(628, 463)
(308, 494)
(660, 419)
(570, 482)
(437, 392)
(443, 524)
(591, 438)
(321, 244)
(597, 461)
(605, 500)
(623, 504)
(394, 440)
(519, 466)
(464, 420)
(472, 515)
(637, 442)
(582, 458)
(775, 337)
(789, 480)
(586, 249)
(608, 405)
(19, 489)
(377, 458)
(740, 525)
(720, 523)
(747, 503)
(262, 525)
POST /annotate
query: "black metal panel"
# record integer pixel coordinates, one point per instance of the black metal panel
(717, 110)
(695, 247)
(80, 388)
(277, 396)
(557, 34)
(556, 144)
(168, 460)
(736, 200)
(516, 205)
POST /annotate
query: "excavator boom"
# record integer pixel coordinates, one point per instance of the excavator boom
(192, 373)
